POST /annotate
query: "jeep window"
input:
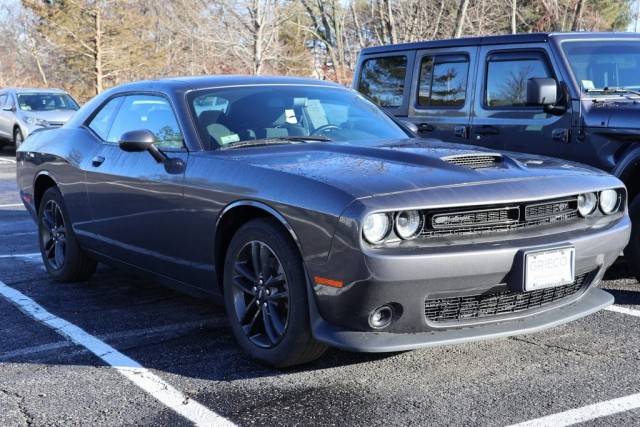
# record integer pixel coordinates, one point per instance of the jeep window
(507, 79)
(443, 81)
(600, 64)
(259, 113)
(382, 80)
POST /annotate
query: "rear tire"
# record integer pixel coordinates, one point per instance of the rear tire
(632, 251)
(265, 295)
(63, 257)
(18, 139)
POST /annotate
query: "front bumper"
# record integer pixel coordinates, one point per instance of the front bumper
(379, 342)
(406, 278)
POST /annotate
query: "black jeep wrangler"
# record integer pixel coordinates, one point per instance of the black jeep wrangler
(570, 95)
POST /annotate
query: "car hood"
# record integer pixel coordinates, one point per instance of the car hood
(52, 116)
(365, 170)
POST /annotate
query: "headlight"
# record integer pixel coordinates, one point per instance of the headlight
(609, 201)
(587, 203)
(36, 121)
(376, 227)
(408, 224)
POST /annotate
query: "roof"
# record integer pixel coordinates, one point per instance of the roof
(493, 40)
(32, 90)
(196, 82)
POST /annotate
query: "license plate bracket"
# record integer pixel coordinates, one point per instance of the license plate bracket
(548, 268)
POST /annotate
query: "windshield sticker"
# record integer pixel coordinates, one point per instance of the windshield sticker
(290, 117)
(228, 139)
(588, 85)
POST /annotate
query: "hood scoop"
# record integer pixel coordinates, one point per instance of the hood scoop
(474, 161)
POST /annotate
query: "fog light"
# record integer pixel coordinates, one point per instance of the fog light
(381, 317)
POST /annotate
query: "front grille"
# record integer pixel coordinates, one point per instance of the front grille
(499, 219)
(458, 309)
(474, 161)
(542, 210)
(479, 217)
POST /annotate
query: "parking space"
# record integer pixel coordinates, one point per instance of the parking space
(46, 379)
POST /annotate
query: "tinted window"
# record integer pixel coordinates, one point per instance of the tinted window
(443, 81)
(153, 113)
(507, 80)
(382, 80)
(101, 122)
(254, 113)
(599, 65)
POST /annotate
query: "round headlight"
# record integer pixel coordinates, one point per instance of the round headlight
(376, 227)
(408, 224)
(587, 203)
(608, 201)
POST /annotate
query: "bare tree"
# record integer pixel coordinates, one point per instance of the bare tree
(462, 12)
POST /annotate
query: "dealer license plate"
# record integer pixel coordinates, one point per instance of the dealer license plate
(549, 268)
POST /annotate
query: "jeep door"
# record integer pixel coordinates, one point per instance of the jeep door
(441, 92)
(501, 119)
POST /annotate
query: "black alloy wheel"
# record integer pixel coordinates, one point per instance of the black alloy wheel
(53, 235)
(266, 295)
(260, 294)
(63, 258)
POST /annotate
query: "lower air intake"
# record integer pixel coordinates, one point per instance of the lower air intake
(497, 303)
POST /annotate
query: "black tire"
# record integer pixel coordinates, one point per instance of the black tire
(632, 251)
(18, 139)
(63, 257)
(278, 258)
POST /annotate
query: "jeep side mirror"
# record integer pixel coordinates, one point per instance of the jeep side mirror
(141, 140)
(542, 92)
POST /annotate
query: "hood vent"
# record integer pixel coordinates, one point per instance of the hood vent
(474, 161)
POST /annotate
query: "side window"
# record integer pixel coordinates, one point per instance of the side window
(382, 80)
(507, 80)
(443, 81)
(150, 112)
(101, 122)
(3, 100)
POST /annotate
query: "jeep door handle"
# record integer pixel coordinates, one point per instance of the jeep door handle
(425, 127)
(97, 161)
(487, 130)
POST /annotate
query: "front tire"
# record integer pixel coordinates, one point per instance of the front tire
(18, 139)
(265, 294)
(632, 251)
(63, 257)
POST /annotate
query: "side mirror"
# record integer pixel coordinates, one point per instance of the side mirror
(411, 126)
(542, 92)
(9, 108)
(141, 140)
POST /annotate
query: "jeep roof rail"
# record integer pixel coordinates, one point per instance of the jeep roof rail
(489, 40)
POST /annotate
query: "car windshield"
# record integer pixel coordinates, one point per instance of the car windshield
(240, 115)
(46, 102)
(604, 66)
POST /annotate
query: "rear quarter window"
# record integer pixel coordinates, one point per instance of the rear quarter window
(382, 80)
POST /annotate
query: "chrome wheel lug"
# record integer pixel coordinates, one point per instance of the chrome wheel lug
(254, 289)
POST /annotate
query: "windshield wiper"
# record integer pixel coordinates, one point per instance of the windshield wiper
(614, 90)
(275, 141)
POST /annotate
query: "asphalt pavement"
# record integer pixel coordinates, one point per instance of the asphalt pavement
(47, 379)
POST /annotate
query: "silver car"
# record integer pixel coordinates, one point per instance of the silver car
(23, 111)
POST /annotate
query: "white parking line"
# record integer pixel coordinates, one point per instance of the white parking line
(624, 310)
(132, 333)
(6, 160)
(12, 205)
(136, 373)
(586, 413)
(26, 256)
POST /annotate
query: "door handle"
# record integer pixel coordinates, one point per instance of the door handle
(487, 130)
(425, 127)
(97, 161)
(460, 131)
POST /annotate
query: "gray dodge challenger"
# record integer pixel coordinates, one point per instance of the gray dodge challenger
(317, 219)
